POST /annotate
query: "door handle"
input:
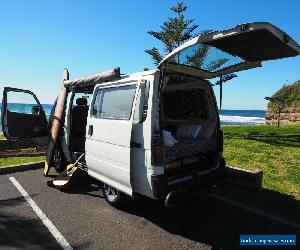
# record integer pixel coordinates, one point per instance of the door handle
(90, 130)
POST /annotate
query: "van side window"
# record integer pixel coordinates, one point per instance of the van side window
(114, 103)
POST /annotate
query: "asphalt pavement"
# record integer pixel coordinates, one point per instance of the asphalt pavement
(86, 221)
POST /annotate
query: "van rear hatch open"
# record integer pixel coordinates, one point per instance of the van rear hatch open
(205, 57)
(188, 103)
(243, 47)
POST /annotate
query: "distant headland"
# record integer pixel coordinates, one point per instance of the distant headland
(284, 105)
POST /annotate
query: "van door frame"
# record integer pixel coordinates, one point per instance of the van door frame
(39, 140)
(92, 163)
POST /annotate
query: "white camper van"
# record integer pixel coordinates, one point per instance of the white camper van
(154, 132)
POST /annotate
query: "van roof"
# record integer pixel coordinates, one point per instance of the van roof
(103, 77)
(127, 78)
(141, 73)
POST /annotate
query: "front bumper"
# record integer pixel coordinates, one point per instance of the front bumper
(195, 181)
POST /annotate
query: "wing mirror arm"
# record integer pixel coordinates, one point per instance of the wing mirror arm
(37, 110)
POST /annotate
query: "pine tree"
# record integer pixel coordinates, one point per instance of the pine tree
(176, 31)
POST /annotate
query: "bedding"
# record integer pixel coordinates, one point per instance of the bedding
(189, 147)
(169, 140)
(186, 131)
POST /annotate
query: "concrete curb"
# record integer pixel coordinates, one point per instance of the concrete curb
(246, 179)
(22, 167)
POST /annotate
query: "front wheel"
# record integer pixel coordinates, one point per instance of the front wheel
(113, 196)
(58, 160)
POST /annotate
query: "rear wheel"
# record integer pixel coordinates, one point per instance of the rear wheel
(58, 160)
(113, 196)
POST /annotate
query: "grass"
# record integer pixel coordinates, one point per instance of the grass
(4, 162)
(10, 161)
(274, 150)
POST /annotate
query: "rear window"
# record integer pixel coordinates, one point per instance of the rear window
(114, 103)
(206, 57)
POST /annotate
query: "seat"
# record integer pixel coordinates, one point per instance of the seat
(79, 121)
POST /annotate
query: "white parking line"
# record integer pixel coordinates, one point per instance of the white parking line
(52, 229)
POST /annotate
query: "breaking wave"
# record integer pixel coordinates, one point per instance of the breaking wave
(241, 120)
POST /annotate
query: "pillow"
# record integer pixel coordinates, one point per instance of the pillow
(189, 131)
(169, 140)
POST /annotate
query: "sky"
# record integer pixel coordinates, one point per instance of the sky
(40, 38)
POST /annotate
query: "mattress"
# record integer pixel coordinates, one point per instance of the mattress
(188, 147)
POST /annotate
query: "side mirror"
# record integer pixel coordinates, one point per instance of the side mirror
(36, 110)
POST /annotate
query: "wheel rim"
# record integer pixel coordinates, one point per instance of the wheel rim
(57, 161)
(110, 192)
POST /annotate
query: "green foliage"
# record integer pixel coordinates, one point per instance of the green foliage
(156, 56)
(197, 59)
(290, 96)
(225, 78)
(176, 31)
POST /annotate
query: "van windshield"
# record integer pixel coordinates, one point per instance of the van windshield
(206, 57)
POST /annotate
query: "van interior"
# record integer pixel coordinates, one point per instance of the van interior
(189, 112)
(80, 101)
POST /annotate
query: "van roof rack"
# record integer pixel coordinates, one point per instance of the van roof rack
(104, 76)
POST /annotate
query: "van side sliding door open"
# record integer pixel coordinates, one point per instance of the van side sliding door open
(23, 117)
(108, 137)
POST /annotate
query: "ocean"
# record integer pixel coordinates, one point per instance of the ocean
(242, 117)
(228, 117)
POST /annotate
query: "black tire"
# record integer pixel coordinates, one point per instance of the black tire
(59, 161)
(113, 196)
